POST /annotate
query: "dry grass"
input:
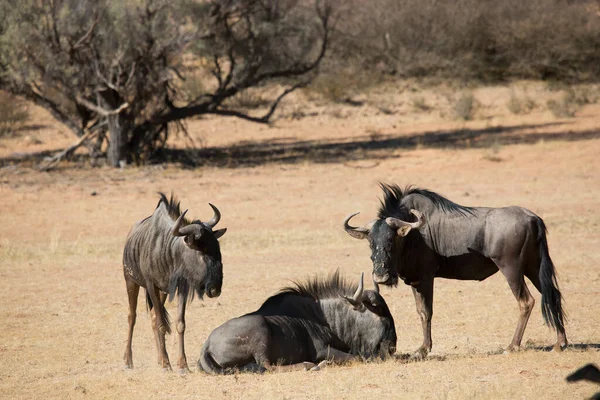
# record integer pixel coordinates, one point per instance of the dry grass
(65, 316)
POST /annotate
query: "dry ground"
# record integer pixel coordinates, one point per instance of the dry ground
(61, 235)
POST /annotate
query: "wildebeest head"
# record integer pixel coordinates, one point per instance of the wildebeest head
(202, 254)
(386, 238)
(383, 341)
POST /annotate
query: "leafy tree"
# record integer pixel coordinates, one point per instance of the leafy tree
(126, 73)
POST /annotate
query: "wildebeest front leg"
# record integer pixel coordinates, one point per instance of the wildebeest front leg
(133, 290)
(182, 363)
(334, 355)
(423, 292)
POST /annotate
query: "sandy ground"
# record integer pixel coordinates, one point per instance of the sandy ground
(284, 192)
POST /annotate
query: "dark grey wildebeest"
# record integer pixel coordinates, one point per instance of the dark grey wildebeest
(419, 235)
(322, 320)
(166, 253)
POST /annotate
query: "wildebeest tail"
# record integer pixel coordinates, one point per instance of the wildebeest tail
(166, 320)
(552, 309)
(207, 363)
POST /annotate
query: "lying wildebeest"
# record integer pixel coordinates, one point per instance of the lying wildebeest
(303, 325)
(451, 241)
(165, 253)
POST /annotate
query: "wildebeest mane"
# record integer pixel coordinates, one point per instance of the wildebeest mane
(391, 204)
(173, 207)
(321, 288)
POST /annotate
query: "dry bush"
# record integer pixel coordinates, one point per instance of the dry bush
(520, 105)
(464, 106)
(562, 108)
(483, 39)
(419, 104)
(13, 113)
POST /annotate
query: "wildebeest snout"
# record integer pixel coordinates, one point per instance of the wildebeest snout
(213, 292)
(382, 277)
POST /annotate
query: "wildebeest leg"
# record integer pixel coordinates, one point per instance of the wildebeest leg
(423, 293)
(153, 315)
(158, 301)
(514, 276)
(561, 337)
(182, 363)
(133, 290)
(303, 366)
(334, 355)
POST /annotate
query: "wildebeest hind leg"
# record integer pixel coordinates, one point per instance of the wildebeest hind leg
(160, 324)
(514, 276)
(133, 290)
(561, 337)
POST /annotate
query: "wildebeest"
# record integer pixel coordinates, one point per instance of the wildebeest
(303, 325)
(588, 372)
(419, 235)
(166, 253)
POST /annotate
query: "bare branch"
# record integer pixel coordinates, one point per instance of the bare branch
(99, 110)
(88, 34)
(52, 162)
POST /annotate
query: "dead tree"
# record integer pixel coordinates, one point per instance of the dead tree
(122, 69)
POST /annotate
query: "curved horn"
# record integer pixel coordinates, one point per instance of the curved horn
(376, 286)
(215, 219)
(420, 219)
(355, 232)
(175, 230)
(356, 298)
(359, 291)
(404, 227)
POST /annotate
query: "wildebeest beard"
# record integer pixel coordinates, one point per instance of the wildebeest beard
(190, 281)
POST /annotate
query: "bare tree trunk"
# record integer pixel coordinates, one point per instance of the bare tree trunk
(118, 149)
(118, 127)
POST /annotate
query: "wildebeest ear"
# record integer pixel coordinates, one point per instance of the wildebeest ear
(357, 305)
(220, 232)
(403, 230)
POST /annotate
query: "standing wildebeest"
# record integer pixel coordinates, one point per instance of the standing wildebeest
(456, 242)
(165, 253)
(303, 325)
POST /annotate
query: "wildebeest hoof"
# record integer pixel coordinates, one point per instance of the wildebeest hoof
(127, 367)
(512, 349)
(183, 371)
(418, 355)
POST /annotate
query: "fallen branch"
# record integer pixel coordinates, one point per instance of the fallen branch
(52, 162)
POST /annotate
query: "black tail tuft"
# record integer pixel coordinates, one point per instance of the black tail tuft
(552, 309)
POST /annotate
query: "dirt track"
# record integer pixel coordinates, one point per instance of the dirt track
(65, 313)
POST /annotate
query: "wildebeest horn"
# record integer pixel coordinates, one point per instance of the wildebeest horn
(215, 219)
(404, 227)
(357, 297)
(175, 230)
(355, 232)
(376, 286)
(191, 229)
(359, 291)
